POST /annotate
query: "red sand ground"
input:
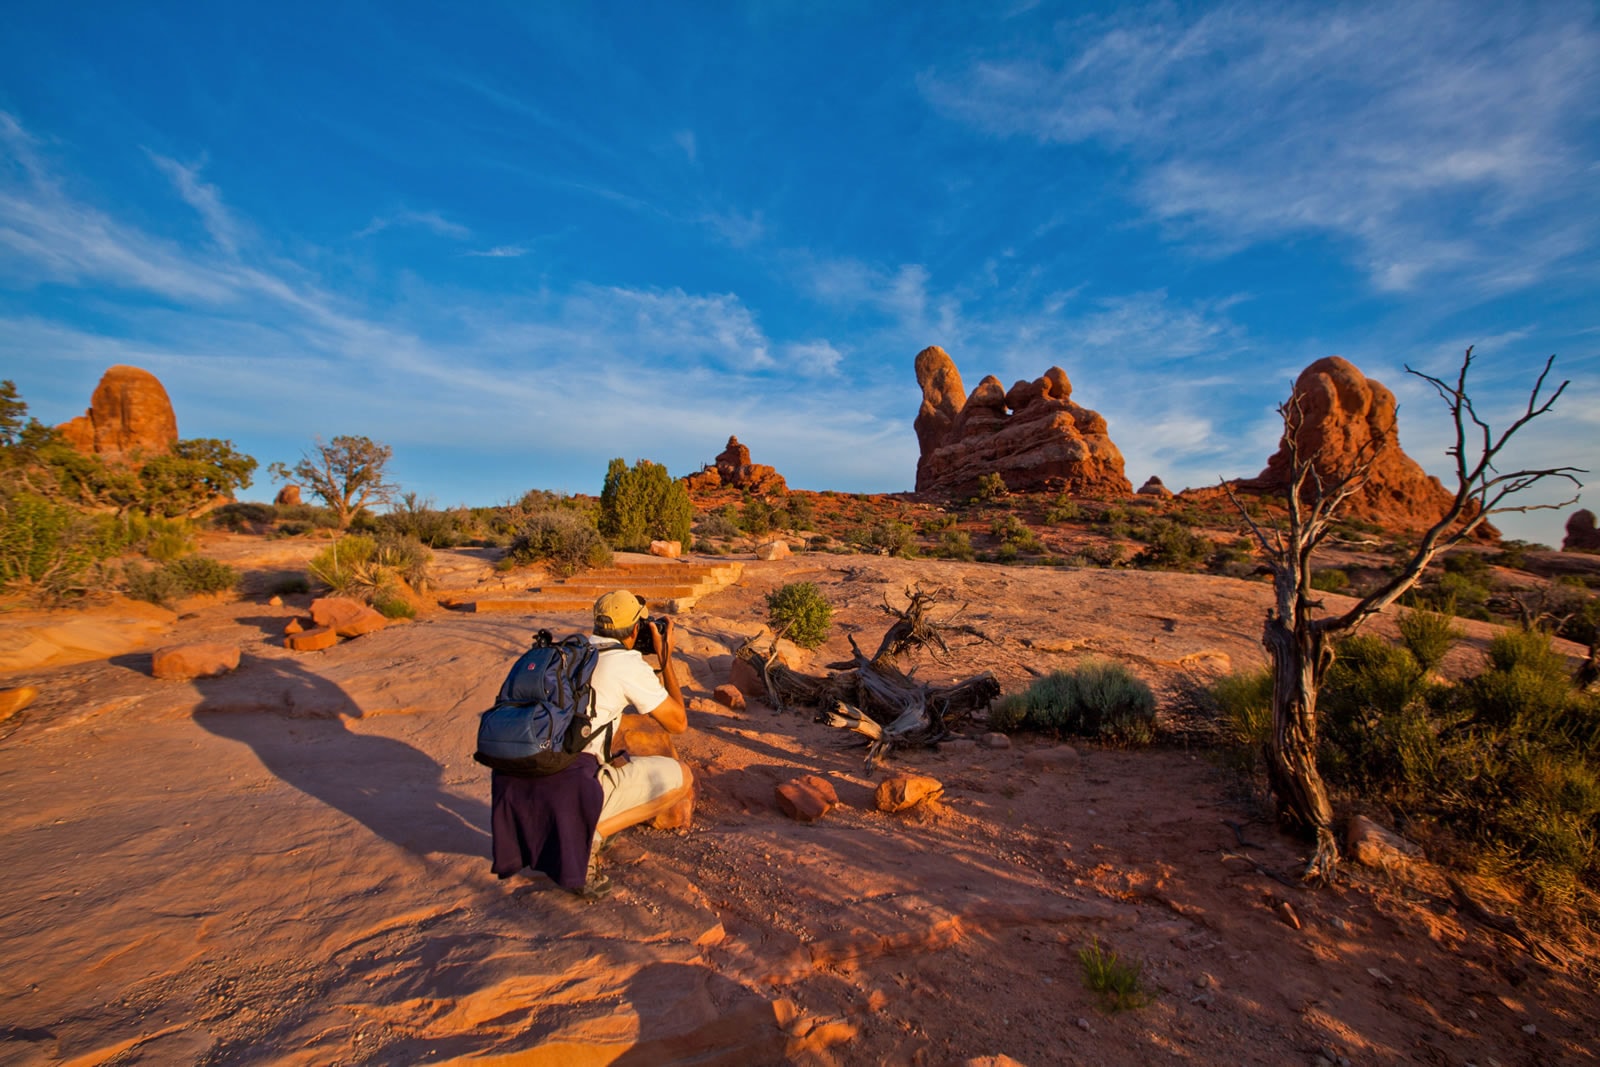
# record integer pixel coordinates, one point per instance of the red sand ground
(288, 864)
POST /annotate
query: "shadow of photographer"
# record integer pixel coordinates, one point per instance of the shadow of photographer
(295, 723)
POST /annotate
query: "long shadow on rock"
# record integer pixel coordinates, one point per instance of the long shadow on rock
(690, 1014)
(294, 721)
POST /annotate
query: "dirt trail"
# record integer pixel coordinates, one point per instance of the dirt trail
(288, 864)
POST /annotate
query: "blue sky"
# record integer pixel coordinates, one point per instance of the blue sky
(514, 241)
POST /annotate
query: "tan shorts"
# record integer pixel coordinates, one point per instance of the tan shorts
(638, 782)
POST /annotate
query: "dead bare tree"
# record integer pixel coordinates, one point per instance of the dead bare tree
(1299, 642)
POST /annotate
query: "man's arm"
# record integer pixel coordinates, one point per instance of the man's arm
(670, 712)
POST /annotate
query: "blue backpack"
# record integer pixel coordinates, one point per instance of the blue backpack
(544, 714)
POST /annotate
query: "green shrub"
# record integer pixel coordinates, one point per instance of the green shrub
(240, 515)
(643, 504)
(1117, 982)
(392, 604)
(954, 544)
(311, 516)
(1330, 580)
(991, 486)
(889, 538)
(1097, 698)
(1064, 509)
(1010, 530)
(756, 518)
(565, 541)
(50, 549)
(801, 613)
(1428, 636)
(177, 578)
(1170, 545)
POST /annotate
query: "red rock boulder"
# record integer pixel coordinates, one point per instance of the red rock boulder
(201, 660)
(129, 412)
(1032, 435)
(905, 791)
(807, 798)
(346, 617)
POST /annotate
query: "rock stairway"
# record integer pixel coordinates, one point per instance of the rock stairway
(667, 586)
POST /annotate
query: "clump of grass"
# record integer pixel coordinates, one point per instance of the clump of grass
(1117, 981)
(1245, 701)
(1097, 698)
(801, 613)
(372, 570)
(1330, 580)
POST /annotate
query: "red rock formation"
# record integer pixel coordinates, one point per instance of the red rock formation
(129, 412)
(1154, 486)
(1581, 534)
(1044, 441)
(735, 471)
(1346, 416)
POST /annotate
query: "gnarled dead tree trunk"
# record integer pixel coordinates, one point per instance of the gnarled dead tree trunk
(1299, 642)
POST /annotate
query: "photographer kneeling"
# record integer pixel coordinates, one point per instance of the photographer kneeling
(606, 789)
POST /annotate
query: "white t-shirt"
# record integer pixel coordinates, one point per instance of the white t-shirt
(622, 679)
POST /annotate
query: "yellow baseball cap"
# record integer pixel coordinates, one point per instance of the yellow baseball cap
(618, 610)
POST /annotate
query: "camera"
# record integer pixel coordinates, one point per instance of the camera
(643, 643)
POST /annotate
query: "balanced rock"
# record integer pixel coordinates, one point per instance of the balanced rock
(733, 470)
(1345, 417)
(1032, 435)
(346, 617)
(129, 412)
(905, 791)
(201, 660)
(1581, 534)
(288, 497)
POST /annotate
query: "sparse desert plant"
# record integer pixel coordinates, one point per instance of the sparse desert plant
(173, 579)
(955, 544)
(1428, 636)
(1330, 580)
(991, 486)
(1244, 700)
(372, 568)
(1010, 530)
(721, 523)
(1064, 509)
(1097, 698)
(756, 517)
(1117, 981)
(48, 549)
(564, 540)
(418, 519)
(1171, 545)
(801, 613)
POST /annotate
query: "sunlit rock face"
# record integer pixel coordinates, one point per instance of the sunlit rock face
(1032, 435)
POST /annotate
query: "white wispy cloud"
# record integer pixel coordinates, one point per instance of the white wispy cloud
(498, 252)
(1435, 138)
(685, 140)
(812, 359)
(427, 220)
(204, 198)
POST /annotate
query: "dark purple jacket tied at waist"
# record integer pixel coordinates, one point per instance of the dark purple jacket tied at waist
(547, 823)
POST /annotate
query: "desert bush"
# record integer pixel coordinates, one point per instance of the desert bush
(643, 504)
(420, 521)
(303, 518)
(1428, 636)
(177, 578)
(801, 514)
(719, 524)
(50, 549)
(1010, 530)
(954, 544)
(240, 515)
(1097, 698)
(1330, 580)
(889, 538)
(801, 613)
(991, 486)
(1063, 509)
(756, 518)
(1171, 546)
(566, 541)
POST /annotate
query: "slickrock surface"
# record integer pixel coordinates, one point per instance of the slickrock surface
(289, 864)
